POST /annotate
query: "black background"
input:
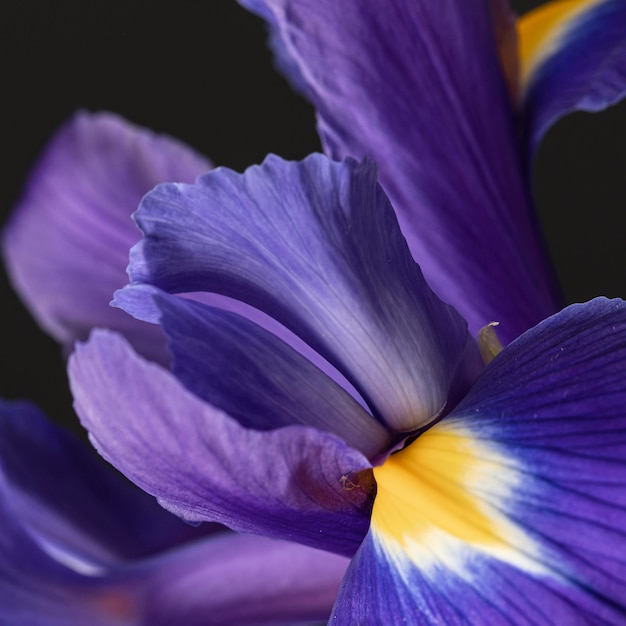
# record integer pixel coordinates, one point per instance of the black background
(199, 70)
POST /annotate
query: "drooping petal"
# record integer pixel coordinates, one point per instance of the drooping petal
(419, 88)
(239, 579)
(37, 590)
(256, 378)
(316, 245)
(275, 582)
(573, 57)
(66, 246)
(203, 465)
(513, 509)
(73, 504)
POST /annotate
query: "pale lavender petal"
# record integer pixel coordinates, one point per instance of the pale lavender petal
(239, 579)
(66, 245)
(203, 465)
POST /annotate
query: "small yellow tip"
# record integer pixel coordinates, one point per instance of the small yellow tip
(488, 343)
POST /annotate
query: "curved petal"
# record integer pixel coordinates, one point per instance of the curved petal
(418, 87)
(36, 589)
(573, 57)
(202, 465)
(276, 582)
(254, 377)
(513, 509)
(66, 245)
(238, 579)
(316, 245)
(70, 502)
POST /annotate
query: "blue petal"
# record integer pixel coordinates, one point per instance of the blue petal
(66, 245)
(512, 510)
(419, 88)
(573, 59)
(256, 378)
(316, 245)
(204, 466)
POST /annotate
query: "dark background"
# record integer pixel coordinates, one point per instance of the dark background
(199, 70)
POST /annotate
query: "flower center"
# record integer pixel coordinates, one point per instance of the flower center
(446, 495)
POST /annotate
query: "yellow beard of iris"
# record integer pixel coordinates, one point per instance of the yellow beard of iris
(438, 494)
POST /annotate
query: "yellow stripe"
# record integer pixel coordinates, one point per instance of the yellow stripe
(438, 495)
(539, 30)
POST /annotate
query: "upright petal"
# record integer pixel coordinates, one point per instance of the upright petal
(418, 87)
(204, 466)
(573, 57)
(66, 246)
(513, 509)
(316, 245)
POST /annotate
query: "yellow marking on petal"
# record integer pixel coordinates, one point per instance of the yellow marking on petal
(438, 494)
(539, 31)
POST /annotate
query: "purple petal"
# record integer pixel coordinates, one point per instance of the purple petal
(232, 578)
(203, 465)
(316, 245)
(513, 509)
(37, 590)
(256, 378)
(238, 579)
(137, 299)
(72, 503)
(419, 88)
(573, 59)
(505, 32)
(66, 246)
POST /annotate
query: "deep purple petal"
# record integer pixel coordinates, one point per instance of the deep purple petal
(203, 465)
(513, 509)
(316, 245)
(35, 589)
(254, 377)
(573, 59)
(418, 87)
(72, 503)
(66, 246)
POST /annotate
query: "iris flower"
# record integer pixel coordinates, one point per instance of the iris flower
(321, 392)
(79, 546)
